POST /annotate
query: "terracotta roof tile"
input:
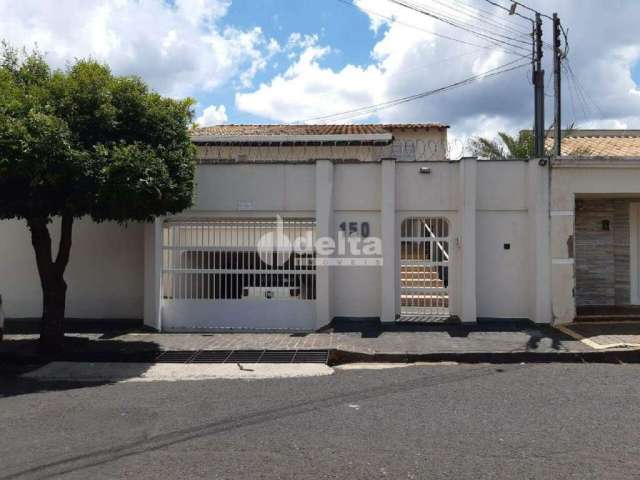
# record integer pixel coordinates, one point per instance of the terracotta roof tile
(346, 129)
(616, 144)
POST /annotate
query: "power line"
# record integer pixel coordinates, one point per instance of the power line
(502, 7)
(456, 13)
(582, 88)
(473, 51)
(584, 103)
(370, 109)
(487, 19)
(495, 4)
(490, 13)
(436, 34)
(481, 12)
(427, 65)
(457, 24)
(538, 72)
(573, 104)
(581, 100)
(526, 7)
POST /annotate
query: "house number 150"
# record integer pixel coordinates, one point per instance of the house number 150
(353, 228)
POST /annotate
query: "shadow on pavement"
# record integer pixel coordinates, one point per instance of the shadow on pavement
(20, 356)
(536, 333)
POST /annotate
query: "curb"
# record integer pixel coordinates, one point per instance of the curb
(341, 357)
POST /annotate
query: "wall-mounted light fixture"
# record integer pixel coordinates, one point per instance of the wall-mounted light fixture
(425, 170)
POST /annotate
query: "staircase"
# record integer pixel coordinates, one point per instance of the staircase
(422, 290)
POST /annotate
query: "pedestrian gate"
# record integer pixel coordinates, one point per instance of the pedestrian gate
(230, 273)
(424, 267)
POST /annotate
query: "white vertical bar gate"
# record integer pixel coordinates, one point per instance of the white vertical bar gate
(424, 267)
(238, 273)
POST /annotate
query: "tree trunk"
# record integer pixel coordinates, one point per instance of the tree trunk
(54, 287)
(54, 296)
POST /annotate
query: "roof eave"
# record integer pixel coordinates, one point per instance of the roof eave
(362, 139)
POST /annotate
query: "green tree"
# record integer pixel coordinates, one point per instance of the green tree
(83, 142)
(507, 147)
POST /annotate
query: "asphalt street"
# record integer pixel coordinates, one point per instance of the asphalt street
(482, 421)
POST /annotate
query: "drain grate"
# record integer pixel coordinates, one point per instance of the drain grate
(211, 356)
(311, 356)
(244, 356)
(170, 356)
(278, 356)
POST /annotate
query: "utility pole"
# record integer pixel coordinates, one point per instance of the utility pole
(538, 84)
(557, 58)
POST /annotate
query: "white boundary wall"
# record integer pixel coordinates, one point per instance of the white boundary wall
(105, 272)
(498, 214)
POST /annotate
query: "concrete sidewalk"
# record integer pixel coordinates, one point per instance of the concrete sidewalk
(347, 341)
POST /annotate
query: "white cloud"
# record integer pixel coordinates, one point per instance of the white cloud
(212, 115)
(178, 48)
(297, 40)
(406, 60)
(306, 90)
(182, 47)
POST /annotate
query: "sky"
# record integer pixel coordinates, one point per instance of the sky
(286, 61)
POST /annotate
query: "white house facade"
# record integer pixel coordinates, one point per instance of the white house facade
(369, 222)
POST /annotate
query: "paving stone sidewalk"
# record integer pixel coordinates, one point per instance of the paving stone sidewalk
(605, 336)
(351, 338)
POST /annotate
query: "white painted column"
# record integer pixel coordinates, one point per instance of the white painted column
(324, 223)
(539, 235)
(153, 274)
(467, 220)
(389, 285)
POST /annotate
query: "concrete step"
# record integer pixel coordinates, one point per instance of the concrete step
(410, 269)
(439, 302)
(422, 282)
(412, 294)
(418, 271)
(419, 277)
(408, 287)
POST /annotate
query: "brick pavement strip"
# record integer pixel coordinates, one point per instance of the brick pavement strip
(453, 341)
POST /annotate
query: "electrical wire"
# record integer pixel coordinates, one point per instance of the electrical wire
(582, 88)
(573, 104)
(485, 19)
(457, 24)
(436, 34)
(547, 45)
(487, 14)
(495, 4)
(370, 109)
(573, 88)
(462, 17)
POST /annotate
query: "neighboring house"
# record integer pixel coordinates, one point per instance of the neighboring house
(504, 239)
(597, 143)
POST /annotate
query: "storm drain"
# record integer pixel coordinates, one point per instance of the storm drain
(243, 356)
(183, 356)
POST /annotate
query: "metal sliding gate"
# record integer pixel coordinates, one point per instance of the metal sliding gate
(238, 273)
(424, 267)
